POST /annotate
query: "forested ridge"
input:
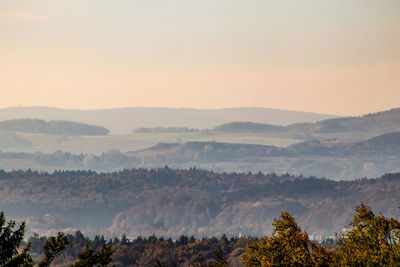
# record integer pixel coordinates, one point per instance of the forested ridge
(174, 202)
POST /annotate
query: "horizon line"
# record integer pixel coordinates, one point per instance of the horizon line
(176, 108)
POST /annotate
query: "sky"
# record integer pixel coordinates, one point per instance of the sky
(337, 57)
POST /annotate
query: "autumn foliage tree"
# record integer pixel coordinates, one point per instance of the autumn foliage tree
(288, 246)
(371, 241)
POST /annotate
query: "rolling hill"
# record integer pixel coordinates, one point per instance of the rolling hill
(329, 158)
(52, 127)
(373, 124)
(383, 145)
(125, 120)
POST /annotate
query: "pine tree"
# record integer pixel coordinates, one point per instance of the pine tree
(52, 247)
(10, 244)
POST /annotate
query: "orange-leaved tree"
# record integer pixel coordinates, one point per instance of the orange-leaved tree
(371, 240)
(287, 246)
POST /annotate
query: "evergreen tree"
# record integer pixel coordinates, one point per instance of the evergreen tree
(52, 247)
(89, 258)
(10, 243)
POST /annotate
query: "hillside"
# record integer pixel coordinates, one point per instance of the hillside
(372, 124)
(331, 159)
(383, 145)
(125, 120)
(52, 127)
(380, 122)
(328, 158)
(171, 202)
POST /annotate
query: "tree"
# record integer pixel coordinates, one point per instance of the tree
(371, 241)
(89, 259)
(104, 256)
(10, 243)
(124, 240)
(85, 259)
(11, 252)
(52, 247)
(219, 260)
(287, 246)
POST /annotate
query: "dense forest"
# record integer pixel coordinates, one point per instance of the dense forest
(171, 202)
(147, 251)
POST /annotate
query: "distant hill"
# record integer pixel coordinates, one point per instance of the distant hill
(374, 123)
(383, 145)
(210, 152)
(380, 122)
(328, 158)
(125, 120)
(52, 127)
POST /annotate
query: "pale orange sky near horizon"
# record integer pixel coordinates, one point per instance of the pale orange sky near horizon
(336, 57)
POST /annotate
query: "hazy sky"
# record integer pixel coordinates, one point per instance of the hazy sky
(340, 57)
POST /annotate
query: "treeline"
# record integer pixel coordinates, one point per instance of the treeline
(142, 251)
(369, 240)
